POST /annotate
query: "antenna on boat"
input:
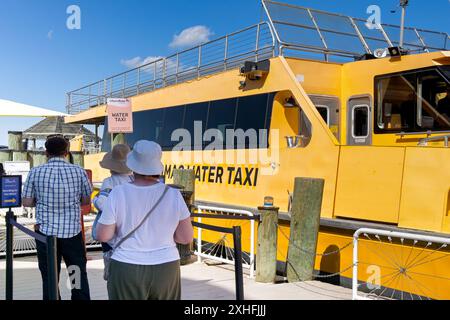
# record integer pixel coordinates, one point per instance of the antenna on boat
(403, 4)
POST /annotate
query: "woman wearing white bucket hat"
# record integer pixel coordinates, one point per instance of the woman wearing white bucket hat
(144, 220)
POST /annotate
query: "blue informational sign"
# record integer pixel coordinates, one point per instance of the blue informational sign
(10, 191)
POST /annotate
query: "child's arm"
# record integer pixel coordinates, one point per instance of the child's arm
(100, 199)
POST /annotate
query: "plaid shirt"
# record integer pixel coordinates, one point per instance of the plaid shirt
(57, 188)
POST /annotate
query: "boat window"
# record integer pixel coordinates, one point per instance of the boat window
(329, 108)
(252, 112)
(197, 112)
(222, 115)
(360, 119)
(324, 112)
(305, 129)
(251, 115)
(173, 120)
(413, 102)
(147, 125)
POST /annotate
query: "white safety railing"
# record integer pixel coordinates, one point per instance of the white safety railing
(210, 251)
(405, 263)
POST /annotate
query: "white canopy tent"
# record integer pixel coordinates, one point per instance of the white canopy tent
(15, 109)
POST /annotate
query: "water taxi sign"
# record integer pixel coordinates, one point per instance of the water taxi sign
(120, 116)
(11, 191)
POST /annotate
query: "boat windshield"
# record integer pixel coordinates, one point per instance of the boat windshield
(413, 101)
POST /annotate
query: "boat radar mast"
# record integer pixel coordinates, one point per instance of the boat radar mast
(403, 4)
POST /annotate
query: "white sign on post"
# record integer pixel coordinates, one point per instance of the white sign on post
(120, 116)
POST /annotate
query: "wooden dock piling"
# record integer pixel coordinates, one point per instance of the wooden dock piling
(186, 180)
(266, 255)
(15, 140)
(37, 158)
(5, 155)
(118, 138)
(78, 158)
(305, 223)
(19, 156)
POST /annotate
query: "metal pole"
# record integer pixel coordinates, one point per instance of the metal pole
(90, 93)
(52, 269)
(138, 81)
(403, 4)
(199, 60)
(154, 74)
(124, 85)
(252, 248)
(105, 91)
(178, 68)
(402, 27)
(258, 29)
(226, 53)
(199, 239)
(239, 277)
(69, 107)
(164, 71)
(355, 269)
(9, 255)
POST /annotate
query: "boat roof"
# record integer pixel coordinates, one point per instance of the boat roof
(334, 35)
(290, 30)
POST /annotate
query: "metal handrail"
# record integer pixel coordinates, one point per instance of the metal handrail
(237, 241)
(243, 213)
(51, 248)
(182, 66)
(445, 138)
(389, 235)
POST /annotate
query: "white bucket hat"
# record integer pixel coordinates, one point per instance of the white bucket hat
(145, 159)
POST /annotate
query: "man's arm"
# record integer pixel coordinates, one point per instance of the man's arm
(85, 200)
(29, 192)
(28, 202)
(86, 190)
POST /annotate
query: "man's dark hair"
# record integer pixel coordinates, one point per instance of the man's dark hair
(2, 171)
(56, 146)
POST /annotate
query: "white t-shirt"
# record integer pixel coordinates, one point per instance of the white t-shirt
(153, 243)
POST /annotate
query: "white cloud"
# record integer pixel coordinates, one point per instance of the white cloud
(191, 37)
(138, 61)
(50, 35)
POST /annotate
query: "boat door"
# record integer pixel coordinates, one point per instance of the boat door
(359, 129)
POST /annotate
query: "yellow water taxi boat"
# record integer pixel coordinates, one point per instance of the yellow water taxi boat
(330, 98)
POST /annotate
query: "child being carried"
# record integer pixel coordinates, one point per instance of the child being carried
(115, 162)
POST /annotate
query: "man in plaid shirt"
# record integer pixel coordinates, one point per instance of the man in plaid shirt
(57, 190)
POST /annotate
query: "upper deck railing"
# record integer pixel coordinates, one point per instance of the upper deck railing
(332, 35)
(253, 43)
(290, 30)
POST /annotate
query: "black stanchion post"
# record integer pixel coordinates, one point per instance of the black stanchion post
(52, 270)
(239, 276)
(9, 255)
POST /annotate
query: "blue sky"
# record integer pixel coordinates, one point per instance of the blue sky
(40, 59)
